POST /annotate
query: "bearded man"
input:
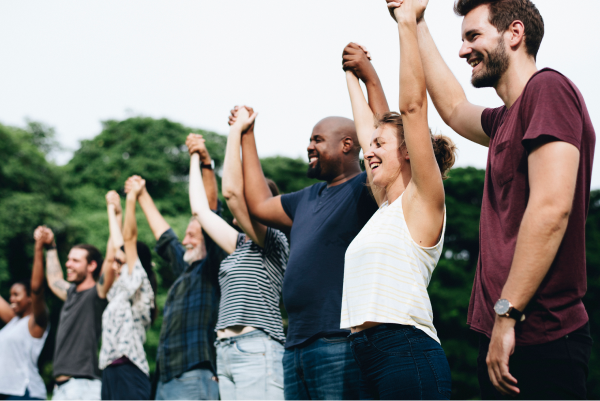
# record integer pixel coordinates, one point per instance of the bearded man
(186, 354)
(526, 302)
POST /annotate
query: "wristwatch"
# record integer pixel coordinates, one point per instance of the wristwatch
(209, 166)
(504, 308)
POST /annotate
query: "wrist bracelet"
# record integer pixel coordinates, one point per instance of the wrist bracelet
(49, 247)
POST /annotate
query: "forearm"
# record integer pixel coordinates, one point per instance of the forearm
(130, 230)
(256, 189)
(198, 197)
(6, 312)
(377, 101)
(157, 223)
(209, 179)
(362, 113)
(54, 275)
(541, 232)
(443, 87)
(413, 93)
(233, 178)
(37, 272)
(107, 275)
(113, 227)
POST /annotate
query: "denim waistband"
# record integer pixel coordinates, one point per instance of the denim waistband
(251, 334)
(380, 328)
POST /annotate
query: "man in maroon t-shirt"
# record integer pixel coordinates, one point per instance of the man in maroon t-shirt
(531, 274)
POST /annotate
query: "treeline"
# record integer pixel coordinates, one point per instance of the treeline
(70, 199)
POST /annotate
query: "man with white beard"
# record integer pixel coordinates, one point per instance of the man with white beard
(186, 354)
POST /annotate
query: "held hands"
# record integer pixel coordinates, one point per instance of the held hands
(113, 198)
(407, 10)
(43, 236)
(502, 346)
(196, 143)
(242, 117)
(134, 186)
(356, 58)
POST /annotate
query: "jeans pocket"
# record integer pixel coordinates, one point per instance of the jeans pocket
(393, 343)
(441, 370)
(251, 347)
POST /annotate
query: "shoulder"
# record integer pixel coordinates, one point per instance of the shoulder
(550, 82)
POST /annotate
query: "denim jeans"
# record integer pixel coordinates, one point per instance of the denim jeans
(196, 384)
(78, 389)
(249, 367)
(25, 396)
(321, 370)
(400, 362)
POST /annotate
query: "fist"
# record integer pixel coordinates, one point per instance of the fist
(43, 235)
(113, 198)
(412, 9)
(135, 185)
(356, 58)
(244, 116)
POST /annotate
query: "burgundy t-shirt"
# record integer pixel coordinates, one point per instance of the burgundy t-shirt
(551, 107)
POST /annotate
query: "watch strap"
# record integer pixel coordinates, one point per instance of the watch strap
(208, 166)
(516, 314)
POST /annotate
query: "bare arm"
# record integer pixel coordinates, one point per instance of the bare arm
(130, 230)
(38, 324)
(446, 93)
(222, 233)
(262, 205)
(209, 180)
(6, 312)
(233, 178)
(157, 223)
(552, 179)
(54, 274)
(115, 218)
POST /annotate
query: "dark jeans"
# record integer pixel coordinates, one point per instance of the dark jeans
(125, 382)
(16, 397)
(554, 370)
(400, 362)
(321, 370)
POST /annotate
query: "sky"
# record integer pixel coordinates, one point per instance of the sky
(73, 64)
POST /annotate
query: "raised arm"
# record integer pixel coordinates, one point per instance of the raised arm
(222, 233)
(115, 218)
(262, 205)
(130, 230)
(209, 180)
(54, 274)
(233, 176)
(446, 93)
(38, 324)
(157, 222)
(6, 312)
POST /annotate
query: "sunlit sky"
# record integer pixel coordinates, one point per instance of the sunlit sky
(73, 64)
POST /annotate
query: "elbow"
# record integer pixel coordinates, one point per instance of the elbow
(230, 193)
(413, 107)
(554, 216)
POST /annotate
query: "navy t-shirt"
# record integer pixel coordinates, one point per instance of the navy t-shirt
(325, 220)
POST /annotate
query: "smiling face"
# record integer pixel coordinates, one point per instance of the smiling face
(386, 156)
(324, 154)
(19, 300)
(119, 261)
(78, 267)
(483, 48)
(193, 242)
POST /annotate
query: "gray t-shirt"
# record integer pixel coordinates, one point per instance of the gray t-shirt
(79, 333)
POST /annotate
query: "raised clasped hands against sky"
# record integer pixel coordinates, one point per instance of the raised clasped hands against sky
(43, 236)
(407, 10)
(242, 117)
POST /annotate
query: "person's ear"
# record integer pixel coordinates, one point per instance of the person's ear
(516, 34)
(347, 144)
(92, 266)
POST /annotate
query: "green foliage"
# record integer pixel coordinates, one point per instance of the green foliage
(70, 199)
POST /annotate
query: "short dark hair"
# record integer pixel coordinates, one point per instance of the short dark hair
(26, 284)
(93, 254)
(505, 12)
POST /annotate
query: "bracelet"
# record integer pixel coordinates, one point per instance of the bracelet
(49, 247)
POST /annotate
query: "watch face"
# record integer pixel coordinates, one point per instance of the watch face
(502, 306)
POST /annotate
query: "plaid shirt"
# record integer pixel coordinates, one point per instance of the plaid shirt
(190, 314)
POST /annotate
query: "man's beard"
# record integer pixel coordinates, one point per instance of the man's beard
(494, 67)
(314, 172)
(192, 255)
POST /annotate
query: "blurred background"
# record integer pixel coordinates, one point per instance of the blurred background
(94, 92)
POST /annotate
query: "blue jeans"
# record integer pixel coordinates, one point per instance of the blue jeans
(197, 384)
(322, 370)
(25, 396)
(78, 389)
(400, 362)
(249, 367)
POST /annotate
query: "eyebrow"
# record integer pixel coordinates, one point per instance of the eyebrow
(471, 32)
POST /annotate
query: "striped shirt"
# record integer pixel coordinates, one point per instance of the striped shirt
(387, 273)
(251, 279)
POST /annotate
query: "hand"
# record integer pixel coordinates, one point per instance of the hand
(502, 346)
(414, 8)
(135, 185)
(356, 58)
(247, 116)
(113, 198)
(38, 234)
(43, 236)
(196, 143)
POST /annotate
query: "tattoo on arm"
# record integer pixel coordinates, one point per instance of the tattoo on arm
(101, 281)
(61, 285)
(52, 263)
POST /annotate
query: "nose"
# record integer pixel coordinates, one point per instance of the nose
(370, 154)
(311, 146)
(465, 50)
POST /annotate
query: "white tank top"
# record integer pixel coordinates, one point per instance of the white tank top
(19, 353)
(386, 274)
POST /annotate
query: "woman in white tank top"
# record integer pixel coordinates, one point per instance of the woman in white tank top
(389, 264)
(23, 337)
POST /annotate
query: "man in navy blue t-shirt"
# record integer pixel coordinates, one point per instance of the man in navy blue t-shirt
(324, 219)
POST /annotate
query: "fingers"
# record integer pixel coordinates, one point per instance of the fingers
(38, 233)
